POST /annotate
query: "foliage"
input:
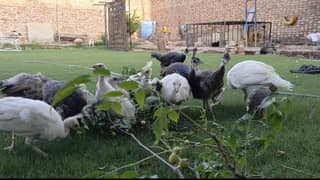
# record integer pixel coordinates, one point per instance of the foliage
(69, 88)
(227, 156)
(127, 71)
(88, 151)
(32, 45)
(133, 22)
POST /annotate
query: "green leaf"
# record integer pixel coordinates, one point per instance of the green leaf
(277, 125)
(233, 142)
(173, 115)
(116, 106)
(160, 125)
(266, 142)
(69, 88)
(113, 94)
(129, 175)
(100, 71)
(157, 130)
(78, 80)
(242, 162)
(140, 97)
(287, 106)
(63, 93)
(111, 176)
(161, 122)
(157, 113)
(105, 106)
(129, 85)
(94, 174)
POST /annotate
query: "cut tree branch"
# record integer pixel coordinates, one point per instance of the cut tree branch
(220, 148)
(173, 168)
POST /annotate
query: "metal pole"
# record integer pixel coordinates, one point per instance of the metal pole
(57, 22)
(105, 26)
(130, 39)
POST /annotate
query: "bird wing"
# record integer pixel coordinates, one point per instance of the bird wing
(18, 123)
(23, 85)
(249, 73)
(172, 57)
(27, 117)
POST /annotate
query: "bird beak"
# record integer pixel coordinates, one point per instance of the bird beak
(4, 86)
(201, 62)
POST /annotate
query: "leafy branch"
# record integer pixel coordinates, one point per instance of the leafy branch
(173, 168)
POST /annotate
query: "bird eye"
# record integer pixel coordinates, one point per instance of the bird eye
(76, 126)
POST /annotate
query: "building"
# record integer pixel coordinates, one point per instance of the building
(82, 17)
(174, 13)
(54, 16)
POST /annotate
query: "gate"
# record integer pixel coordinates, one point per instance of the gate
(117, 25)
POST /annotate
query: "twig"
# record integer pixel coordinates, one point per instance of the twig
(297, 170)
(196, 173)
(159, 147)
(174, 169)
(195, 144)
(296, 94)
(220, 148)
(133, 164)
(165, 144)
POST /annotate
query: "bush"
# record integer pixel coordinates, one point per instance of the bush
(32, 45)
(133, 23)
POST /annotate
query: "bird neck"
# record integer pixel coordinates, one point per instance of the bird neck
(66, 132)
(102, 82)
(195, 66)
(224, 62)
(101, 79)
(67, 123)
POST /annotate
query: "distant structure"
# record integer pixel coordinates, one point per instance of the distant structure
(291, 20)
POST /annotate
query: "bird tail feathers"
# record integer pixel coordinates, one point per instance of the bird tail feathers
(155, 55)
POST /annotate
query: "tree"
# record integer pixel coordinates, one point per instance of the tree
(133, 23)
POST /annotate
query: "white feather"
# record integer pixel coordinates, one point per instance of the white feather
(27, 117)
(143, 78)
(103, 86)
(255, 73)
(175, 88)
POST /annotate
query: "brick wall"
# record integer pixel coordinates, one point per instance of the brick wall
(173, 13)
(80, 16)
(67, 16)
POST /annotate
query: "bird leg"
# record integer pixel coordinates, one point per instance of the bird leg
(245, 117)
(12, 147)
(206, 103)
(30, 141)
(245, 96)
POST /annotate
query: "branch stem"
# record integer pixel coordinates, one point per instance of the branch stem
(173, 168)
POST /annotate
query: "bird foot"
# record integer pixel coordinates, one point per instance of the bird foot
(11, 148)
(45, 155)
(245, 117)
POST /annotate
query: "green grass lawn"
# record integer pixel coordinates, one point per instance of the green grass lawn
(299, 139)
